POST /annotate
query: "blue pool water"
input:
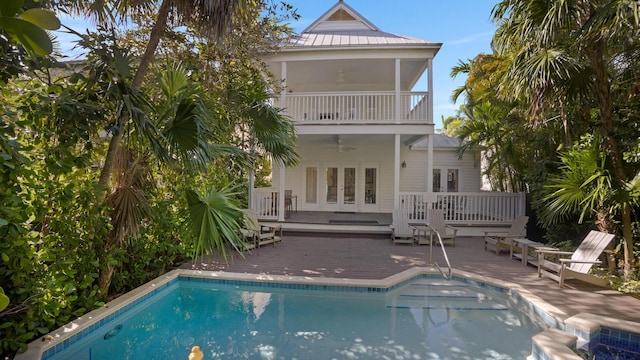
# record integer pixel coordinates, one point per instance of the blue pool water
(611, 344)
(424, 319)
(604, 352)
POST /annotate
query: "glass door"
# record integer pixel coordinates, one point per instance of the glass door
(341, 188)
(446, 180)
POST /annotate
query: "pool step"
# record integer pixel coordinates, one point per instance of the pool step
(436, 294)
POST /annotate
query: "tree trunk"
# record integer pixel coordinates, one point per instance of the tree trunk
(106, 274)
(605, 106)
(110, 158)
(154, 39)
(104, 280)
(627, 235)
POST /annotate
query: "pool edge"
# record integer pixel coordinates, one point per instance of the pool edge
(554, 317)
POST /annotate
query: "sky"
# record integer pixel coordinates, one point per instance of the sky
(462, 26)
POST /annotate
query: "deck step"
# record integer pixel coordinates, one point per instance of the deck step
(439, 294)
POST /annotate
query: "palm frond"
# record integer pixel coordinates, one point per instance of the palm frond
(130, 207)
(215, 221)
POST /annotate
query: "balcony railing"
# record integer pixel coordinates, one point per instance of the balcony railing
(354, 108)
(482, 208)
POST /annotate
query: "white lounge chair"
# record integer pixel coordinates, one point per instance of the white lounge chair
(499, 240)
(264, 234)
(580, 263)
(401, 231)
(437, 224)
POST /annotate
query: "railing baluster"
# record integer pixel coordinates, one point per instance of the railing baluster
(356, 107)
(466, 208)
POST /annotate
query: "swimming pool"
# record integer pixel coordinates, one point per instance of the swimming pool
(420, 317)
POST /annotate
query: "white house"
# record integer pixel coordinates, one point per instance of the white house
(361, 100)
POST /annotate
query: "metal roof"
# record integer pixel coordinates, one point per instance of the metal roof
(439, 141)
(353, 37)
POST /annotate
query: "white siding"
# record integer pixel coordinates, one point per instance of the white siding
(413, 177)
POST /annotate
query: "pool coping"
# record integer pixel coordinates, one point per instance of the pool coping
(551, 315)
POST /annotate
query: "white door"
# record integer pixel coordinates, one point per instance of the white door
(341, 188)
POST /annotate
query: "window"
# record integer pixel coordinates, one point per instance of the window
(311, 193)
(452, 180)
(370, 184)
(332, 185)
(436, 180)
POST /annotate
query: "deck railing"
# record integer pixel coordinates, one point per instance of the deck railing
(354, 108)
(466, 208)
(265, 203)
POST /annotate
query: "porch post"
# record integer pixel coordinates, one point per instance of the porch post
(429, 184)
(252, 176)
(430, 137)
(396, 173)
(430, 91)
(283, 102)
(397, 88)
(281, 210)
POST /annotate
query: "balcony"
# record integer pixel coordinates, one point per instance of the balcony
(358, 108)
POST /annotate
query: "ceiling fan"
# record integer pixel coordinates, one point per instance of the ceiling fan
(340, 147)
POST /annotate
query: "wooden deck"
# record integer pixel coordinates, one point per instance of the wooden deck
(374, 257)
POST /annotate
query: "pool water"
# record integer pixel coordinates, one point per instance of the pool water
(424, 319)
(604, 352)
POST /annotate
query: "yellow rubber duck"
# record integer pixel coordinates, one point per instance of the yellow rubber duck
(196, 353)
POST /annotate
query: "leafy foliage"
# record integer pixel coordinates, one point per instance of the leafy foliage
(60, 229)
(27, 26)
(214, 220)
(561, 70)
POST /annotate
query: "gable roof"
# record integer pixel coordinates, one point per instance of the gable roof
(342, 17)
(342, 25)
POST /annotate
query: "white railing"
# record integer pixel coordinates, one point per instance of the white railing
(466, 208)
(265, 203)
(470, 208)
(360, 107)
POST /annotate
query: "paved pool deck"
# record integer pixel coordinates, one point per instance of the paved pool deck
(361, 257)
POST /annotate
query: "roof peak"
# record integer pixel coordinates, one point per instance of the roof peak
(341, 17)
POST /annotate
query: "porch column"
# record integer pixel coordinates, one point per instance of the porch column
(396, 173)
(252, 176)
(281, 210)
(429, 184)
(397, 87)
(430, 90)
(431, 197)
(282, 172)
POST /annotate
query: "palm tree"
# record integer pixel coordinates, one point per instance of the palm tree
(213, 18)
(563, 51)
(182, 131)
(586, 187)
(492, 128)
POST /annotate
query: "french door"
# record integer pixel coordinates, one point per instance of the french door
(341, 187)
